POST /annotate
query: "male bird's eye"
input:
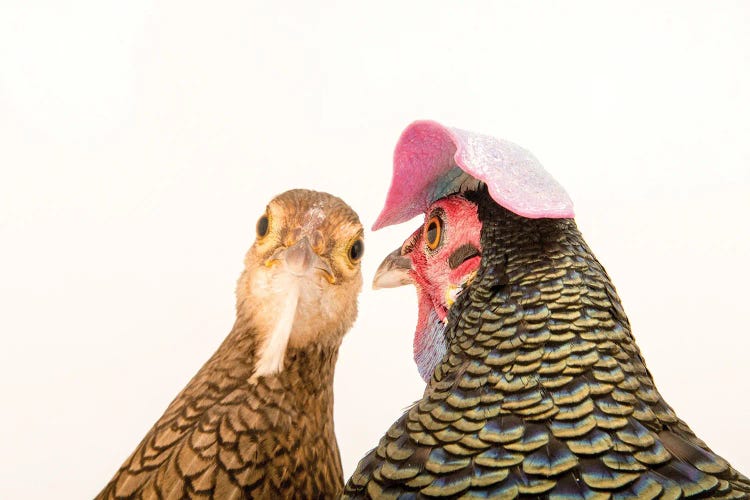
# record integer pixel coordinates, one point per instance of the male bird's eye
(356, 250)
(262, 226)
(433, 233)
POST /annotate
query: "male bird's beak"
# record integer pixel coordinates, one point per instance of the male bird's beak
(393, 271)
(301, 260)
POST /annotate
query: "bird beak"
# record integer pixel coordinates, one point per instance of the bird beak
(393, 271)
(301, 259)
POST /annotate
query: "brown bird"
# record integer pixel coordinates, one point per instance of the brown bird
(257, 419)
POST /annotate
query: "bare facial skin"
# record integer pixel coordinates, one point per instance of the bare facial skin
(439, 259)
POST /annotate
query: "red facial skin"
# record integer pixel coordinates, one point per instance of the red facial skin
(432, 274)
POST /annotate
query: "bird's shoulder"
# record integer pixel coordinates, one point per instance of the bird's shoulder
(438, 448)
(525, 406)
(223, 433)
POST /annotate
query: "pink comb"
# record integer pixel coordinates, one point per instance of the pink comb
(432, 161)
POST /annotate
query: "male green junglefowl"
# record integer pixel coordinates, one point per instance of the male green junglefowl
(257, 420)
(536, 388)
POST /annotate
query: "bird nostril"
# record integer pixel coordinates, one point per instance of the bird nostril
(317, 241)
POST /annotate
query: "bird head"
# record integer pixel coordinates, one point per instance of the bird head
(432, 165)
(302, 275)
(440, 259)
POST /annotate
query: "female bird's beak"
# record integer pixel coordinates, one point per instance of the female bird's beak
(393, 271)
(301, 260)
(299, 257)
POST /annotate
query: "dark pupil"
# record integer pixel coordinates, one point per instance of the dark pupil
(262, 226)
(355, 252)
(432, 233)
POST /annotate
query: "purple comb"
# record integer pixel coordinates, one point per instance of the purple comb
(432, 161)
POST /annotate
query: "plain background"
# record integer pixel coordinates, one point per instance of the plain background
(140, 141)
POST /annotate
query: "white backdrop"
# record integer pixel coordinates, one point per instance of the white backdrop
(140, 141)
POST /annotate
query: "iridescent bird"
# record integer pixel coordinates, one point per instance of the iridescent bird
(540, 390)
(257, 420)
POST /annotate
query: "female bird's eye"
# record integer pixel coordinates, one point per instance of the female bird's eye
(433, 233)
(262, 226)
(356, 250)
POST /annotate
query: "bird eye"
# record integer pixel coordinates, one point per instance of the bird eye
(433, 233)
(356, 250)
(262, 226)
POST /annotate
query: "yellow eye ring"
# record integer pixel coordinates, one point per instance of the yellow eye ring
(262, 226)
(433, 232)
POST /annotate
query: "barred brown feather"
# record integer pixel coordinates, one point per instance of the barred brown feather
(224, 438)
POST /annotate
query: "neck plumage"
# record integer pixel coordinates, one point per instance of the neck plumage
(539, 284)
(306, 370)
(542, 311)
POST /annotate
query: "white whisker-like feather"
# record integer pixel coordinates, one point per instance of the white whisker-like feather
(271, 357)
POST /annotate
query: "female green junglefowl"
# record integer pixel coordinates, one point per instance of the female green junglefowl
(257, 420)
